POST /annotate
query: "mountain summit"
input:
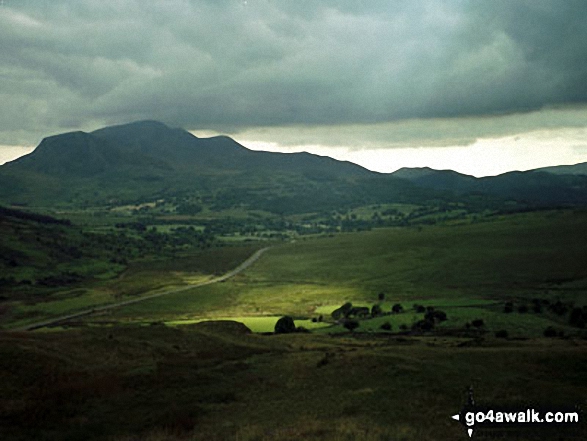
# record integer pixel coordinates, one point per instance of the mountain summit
(147, 160)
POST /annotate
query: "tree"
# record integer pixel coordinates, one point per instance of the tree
(578, 317)
(397, 308)
(423, 325)
(343, 311)
(419, 308)
(439, 316)
(502, 334)
(285, 325)
(376, 310)
(351, 325)
(381, 296)
(386, 326)
(478, 323)
(550, 332)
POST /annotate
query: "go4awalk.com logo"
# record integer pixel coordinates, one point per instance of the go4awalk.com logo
(489, 420)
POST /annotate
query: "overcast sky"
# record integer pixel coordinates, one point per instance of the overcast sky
(389, 83)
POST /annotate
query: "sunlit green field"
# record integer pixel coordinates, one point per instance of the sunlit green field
(165, 369)
(467, 270)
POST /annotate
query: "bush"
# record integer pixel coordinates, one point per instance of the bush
(478, 323)
(376, 310)
(381, 296)
(558, 308)
(285, 325)
(423, 325)
(397, 308)
(522, 309)
(351, 325)
(508, 307)
(343, 311)
(501, 334)
(420, 309)
(386, 326)
(578, 317)
(550, 332)
(358, 311)
(435, 316)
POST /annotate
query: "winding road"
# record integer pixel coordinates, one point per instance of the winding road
(247, 263)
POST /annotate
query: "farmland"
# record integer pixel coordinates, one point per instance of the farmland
(184, 367)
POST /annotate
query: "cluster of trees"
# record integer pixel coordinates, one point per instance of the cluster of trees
(431, 318)
(347, 311)
(577, 315)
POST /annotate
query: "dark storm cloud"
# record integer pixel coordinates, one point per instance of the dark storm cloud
(231, 65)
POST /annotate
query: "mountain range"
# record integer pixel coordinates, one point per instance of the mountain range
(147, 161)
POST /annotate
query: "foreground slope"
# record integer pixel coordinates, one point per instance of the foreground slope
(216, 381)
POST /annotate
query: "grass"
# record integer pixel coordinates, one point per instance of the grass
(212, 381)
(135, 378)
(468, 271)
(255, 324)
(143, 277)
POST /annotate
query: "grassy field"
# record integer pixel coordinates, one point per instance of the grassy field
(469, 271)
(141, 277)
(161, 370)
(213, 381)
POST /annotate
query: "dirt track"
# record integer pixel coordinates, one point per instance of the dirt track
(86, 312)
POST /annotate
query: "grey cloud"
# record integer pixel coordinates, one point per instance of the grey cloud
(229, 65)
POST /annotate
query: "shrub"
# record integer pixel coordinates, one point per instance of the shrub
(578, 317)
(558, 308)
(508, 307)
(478, 323)
(501, 334)
(285, 325)
(386, 326)
(522, 309)
(381, 296)
(343, 311)
(435, 316)
(423, 325)
(376, 310)
(397, 308)
(351, 325)
(358, 311)
(550, 332)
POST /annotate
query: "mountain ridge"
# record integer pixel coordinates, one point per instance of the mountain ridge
(148, 159)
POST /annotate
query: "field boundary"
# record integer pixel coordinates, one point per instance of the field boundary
(244, 265)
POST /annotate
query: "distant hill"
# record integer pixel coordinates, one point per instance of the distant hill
(534, 187)
(147, 160)
(577, 169)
